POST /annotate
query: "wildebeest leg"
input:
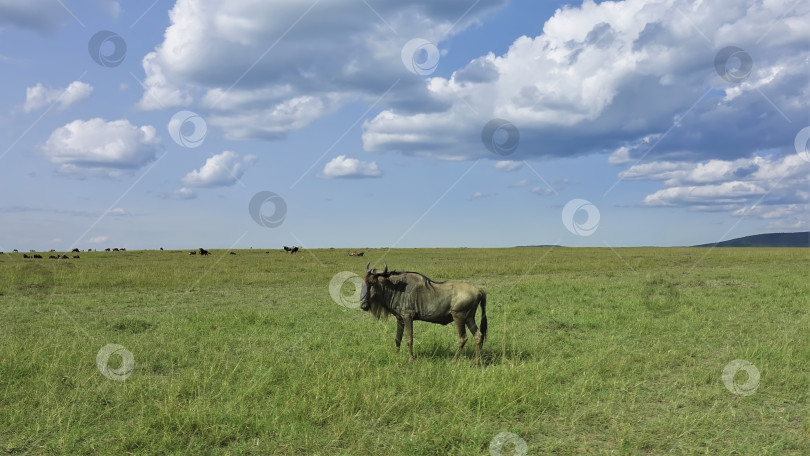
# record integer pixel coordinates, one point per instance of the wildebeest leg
(477, 334)
(409, 334)
(400, 328)
(462, 334)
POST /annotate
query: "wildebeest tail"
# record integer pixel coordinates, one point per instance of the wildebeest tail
(483, 317)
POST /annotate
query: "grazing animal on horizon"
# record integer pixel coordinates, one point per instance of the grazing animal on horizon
(115, 249)
(204, 252)
(293, 250)
(75, 250)
(410, 296)
(107, 249)
(287, 249)
(15, 251)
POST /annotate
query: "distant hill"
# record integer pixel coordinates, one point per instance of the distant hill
(801, 239)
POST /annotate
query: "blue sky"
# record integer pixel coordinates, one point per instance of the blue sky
(626, 123)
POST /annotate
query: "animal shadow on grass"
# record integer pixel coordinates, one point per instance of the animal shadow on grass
(132, 325)
(492, 355)
(661, 296)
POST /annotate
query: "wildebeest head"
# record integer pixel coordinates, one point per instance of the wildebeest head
(370, 290)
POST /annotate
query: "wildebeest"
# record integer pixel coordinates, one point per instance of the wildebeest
(161, 248)
(193, 252)
(204, 252)
(115, 249)
(75, 256)
(122, 249)
(356, 254)
(107, 249)
(37, 256)
(52, 257)
(410, 296)
(15, 251)
(231, 253)
(75, 250)
(287, 249)
(61, 257)
(25, 255)
(293, 250)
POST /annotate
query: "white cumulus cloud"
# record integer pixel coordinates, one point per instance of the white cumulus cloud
(39, 96)
(765, 187)
(631, 78)
(98, 147)
(227, 56)
(344, 167)
(508, 165)
(221, 170)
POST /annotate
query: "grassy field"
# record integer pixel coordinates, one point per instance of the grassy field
(589, 351)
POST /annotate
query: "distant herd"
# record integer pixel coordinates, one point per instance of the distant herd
(201, 251)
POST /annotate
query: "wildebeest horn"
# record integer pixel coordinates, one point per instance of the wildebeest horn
(386, 268)
(367, 265)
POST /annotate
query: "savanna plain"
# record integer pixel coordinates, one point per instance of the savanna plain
(589, 351)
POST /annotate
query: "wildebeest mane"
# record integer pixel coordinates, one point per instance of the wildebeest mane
(427, 280)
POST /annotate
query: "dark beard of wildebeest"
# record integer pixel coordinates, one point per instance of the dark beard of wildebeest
(410, 296)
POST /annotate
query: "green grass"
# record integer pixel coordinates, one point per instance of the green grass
(589, 351)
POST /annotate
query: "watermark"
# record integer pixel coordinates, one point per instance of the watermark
(187, 129)
(508, 439)
(107, 48)
(800, 143)
(337, 285)
(123, 371)
(751, 383)
(420, 56)
(575, 225)
(500, 137)
(733, 64)
(279, 209)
